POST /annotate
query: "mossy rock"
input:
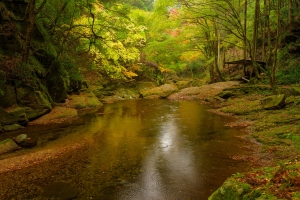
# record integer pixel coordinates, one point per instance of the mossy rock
(84, 100)
(273, 102)
(12, 127)
(290, 100)
(58, 114)
(295, 91)
(297, 101)
(20, 138)
(35, 103)
(162, 91)
(13, 115)
(9, 97)
(231, 190)
(57, 82)
(7, 146)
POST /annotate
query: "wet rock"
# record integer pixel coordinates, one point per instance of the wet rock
(7, 146)
(273, 102)
(60, 190)
(162, 91)
(12, 127)
(84, 100)
(13, 115)
(20, 138)
(57, 115)
(35, 103)
(29, 142)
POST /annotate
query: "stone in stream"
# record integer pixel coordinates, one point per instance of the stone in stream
(7, 146)
(60, 190)
(29, 142)
(20, 138)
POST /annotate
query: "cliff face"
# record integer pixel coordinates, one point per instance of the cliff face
(28, 87)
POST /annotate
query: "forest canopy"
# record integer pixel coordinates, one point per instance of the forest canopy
(121, 41)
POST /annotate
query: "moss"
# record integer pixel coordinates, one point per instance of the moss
(162, 91)
(231, 190)
(84, 100)
(58, 114)
(242, 107)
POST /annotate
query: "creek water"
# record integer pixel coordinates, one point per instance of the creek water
(139, 149)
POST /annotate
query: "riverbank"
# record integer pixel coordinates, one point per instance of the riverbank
(278, 132)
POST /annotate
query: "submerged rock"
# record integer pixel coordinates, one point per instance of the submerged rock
(60, 190)
(273, 102)
(7, 146)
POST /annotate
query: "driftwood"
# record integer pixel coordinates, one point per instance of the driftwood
(245, 79)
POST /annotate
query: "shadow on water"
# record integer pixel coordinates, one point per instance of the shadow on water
(145, 149)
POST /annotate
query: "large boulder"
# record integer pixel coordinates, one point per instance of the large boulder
(9, 98)
(57, 82)
(35, 103)
(84, 100)
(13, 115)
(7, 146)
(159, 92)
(273, 102)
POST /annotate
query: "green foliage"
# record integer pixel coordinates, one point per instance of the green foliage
(289, 72)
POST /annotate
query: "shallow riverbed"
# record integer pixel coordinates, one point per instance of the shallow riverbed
(140, 149)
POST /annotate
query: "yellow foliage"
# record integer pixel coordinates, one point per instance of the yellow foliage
(130, 74)
(165, 70)
(190, 55)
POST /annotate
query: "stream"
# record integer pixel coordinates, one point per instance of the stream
(138, 149)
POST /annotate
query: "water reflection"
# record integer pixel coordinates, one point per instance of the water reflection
(148, 149)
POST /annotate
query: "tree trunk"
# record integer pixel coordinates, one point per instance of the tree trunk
(274, 66)
(255, 35)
